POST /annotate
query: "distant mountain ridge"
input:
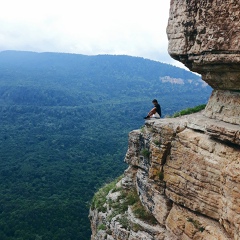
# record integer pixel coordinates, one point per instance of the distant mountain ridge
(75, 77)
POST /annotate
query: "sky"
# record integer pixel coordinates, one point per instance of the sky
(129, 27)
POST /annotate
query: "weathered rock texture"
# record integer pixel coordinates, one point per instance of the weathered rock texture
(205, 36)
(187, 174)
(186, 171)
(224, 106)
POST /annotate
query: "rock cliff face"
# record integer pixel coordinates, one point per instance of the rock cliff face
(186, 173)
(183, 179)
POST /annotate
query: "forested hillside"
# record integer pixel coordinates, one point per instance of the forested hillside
(64, 129)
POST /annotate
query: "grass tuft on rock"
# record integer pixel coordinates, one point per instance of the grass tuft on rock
(145, 152)
(189, 111)
(140, 212)
(102, 227)
(196, 224)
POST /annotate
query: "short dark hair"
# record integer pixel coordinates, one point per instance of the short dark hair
(154, 101)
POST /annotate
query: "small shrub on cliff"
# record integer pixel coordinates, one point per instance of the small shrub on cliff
(136, 227)
(142, 129)
(189, 110)
(127, 198)
(196, 224)
(161, 176)
(102, 227)
(157, 142)
(145, 153)
(141, 213)
(123, 220)
(132, 198)
(109, 231)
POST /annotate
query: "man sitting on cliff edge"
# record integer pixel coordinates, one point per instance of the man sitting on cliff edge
(156, 111)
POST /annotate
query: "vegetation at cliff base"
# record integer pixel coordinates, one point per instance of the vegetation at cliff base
(118, 207)
(64, 129)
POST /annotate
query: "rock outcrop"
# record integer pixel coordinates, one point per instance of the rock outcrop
(205, 36)
(186, 172)
(183, 179)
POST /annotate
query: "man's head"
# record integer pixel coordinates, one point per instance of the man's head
(154, 101)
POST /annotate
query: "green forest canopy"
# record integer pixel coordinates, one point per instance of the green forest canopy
(64, 125)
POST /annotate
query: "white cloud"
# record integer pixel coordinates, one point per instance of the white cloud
(132, 27)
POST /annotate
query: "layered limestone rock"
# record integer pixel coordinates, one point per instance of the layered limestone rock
(224, 106)
(186, 177)
(204, 35)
